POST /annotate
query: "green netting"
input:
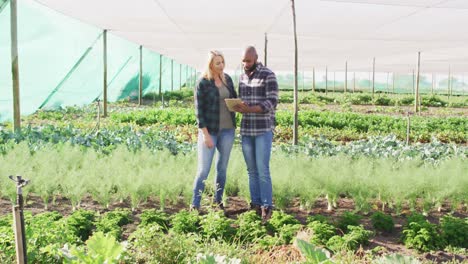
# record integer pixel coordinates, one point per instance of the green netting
(61, 62)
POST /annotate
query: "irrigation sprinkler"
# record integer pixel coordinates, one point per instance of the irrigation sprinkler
(18, 220)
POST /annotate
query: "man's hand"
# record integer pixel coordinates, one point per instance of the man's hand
(208, 141)
(242, 108)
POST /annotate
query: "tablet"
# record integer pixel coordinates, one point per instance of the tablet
(231, 102)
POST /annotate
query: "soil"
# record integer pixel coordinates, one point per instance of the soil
(389, 242)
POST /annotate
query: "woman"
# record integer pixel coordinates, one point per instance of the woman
(216, 127)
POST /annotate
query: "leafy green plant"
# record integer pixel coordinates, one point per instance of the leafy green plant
(318, 217)
(279, 219)
(396, 259)
(454, 231)
(382, 222)
(322, 232)
(313, 255)
(81, 223)
(348, 219)
(186, 222)
(152, 216)
(216, 225)
(422, 236)
(250, 227)
(111, 223)
(99, 248)
(357, 236)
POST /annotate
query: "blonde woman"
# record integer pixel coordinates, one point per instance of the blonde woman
(216, 127)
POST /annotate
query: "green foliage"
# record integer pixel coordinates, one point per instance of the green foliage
(313, 254)
(318, 217)
(287, 233)
(455, 231)
(81, 223)
(361, 99)
(433, 101)
(396, 259)
(250, 227)
(357, 236)
(383, 100)
(111, 222)
(279, 219)
(322, 232)
(348, 219)
(186, 222)
(99, 248)
(148, 244)
(46, 234)
(422, 236)
(153, 216)
(382, 222)
(216, 225)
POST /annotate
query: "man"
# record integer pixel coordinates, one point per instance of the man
(258, 90)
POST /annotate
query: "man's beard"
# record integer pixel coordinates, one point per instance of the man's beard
(251, 69)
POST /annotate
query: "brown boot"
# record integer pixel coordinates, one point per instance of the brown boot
(266, 214)
(257, 208)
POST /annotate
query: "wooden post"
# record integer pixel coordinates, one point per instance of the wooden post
(172, 75)
(354, 82)
(160, 74)
(326, 80)
(416, 94)
(104, 99)
(140, 82)
(334, 80)
(346, 77)
(295, 132)
(265, 56)
(373, 77)
(313, 79)
(18, 230)
(408, 129)
(15, 66)
(448, 83)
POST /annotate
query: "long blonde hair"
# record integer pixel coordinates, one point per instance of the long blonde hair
(208, 74)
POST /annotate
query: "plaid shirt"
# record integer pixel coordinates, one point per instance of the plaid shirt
(207, 103)
(260, 88)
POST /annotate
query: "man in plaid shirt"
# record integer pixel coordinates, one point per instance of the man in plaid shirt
(258, 90)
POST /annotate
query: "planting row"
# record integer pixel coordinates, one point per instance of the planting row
(189, 237)
(73, 172)
(178, 140)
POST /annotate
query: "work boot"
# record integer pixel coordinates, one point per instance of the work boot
(257, 208)
(267, 211)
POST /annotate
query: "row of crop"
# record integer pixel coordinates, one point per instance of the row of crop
(75, 173)
(181, 140)
(452, 128)
(52, 238)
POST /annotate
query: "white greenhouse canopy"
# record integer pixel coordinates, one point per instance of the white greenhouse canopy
(330, 32)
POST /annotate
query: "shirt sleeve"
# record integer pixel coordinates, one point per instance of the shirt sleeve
(271, 90)
(199, 105)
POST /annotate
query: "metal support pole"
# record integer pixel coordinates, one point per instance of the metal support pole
(104, 94)
(346, 78)
(326, 80)
(313, 79)
(15, 65)
(416, 95)
(140, 82)
(172, 75)
(266, 50)
(295, 132)
(354, 82)
(373, 78)
(18, 220)
(180, 77)
(160, 74)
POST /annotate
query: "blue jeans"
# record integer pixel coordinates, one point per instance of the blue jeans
(257, 152)
(222, 141)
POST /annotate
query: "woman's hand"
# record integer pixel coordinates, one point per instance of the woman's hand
(208, 141)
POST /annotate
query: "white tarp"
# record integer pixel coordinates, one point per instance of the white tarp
(330, 32)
